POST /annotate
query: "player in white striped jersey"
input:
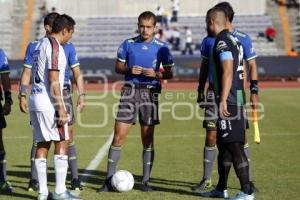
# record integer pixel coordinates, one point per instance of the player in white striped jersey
(47, 110)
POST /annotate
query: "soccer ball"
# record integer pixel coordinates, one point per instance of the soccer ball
(122, 181)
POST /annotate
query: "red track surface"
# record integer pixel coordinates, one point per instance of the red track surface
(184, 85)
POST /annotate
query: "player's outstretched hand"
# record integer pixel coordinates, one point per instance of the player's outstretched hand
(81, 102)
(136, 70)
(254, 100)
(23, 105)
(223, 109)
(6, 109)
(201, 99)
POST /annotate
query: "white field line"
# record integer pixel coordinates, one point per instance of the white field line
(201, 135)
(97, 159)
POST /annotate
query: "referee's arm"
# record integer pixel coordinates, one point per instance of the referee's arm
(121, 67)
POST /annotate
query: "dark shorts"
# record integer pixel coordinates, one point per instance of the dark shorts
(139, 101)
(2, 118)
(210, 112)
(232, 128)
(69, 105)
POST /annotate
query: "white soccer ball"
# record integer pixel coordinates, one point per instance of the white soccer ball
(122, 181)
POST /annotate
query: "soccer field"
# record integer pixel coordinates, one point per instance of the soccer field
(178, 144)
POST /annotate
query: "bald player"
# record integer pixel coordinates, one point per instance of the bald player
(230, 98)
(207, 67)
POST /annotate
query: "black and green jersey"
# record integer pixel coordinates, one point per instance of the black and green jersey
(228, 47)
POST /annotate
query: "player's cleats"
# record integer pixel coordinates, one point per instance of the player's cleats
(106, 187)
(33, 185)
(146, 187)
(203, 185)
(243, 196)
(76, 184)
(65, 196)
(5, 187)
(215, 194)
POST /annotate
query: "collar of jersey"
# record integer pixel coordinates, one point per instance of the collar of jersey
(141, 41)
(224, 31)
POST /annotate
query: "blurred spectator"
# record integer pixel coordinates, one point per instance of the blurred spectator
(292, 4)
(159, 12)
(270, 34)
(175, 10)
(161, 17)
(53, 9)
(188, 41)
(43, 12)
(292, 53)
(160, 35)
(175, 39)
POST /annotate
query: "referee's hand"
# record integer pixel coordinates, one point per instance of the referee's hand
(254, 100)
(149, 72)
(136, 70)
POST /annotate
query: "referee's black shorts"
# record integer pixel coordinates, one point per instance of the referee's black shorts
(211, 112)
(139, 101)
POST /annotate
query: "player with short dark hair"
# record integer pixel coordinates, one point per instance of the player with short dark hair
(139, 60)
(74, 65)
(230, 98)
(207, 67)
(5, 186)
(64, 29)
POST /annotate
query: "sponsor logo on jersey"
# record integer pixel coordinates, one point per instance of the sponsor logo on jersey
(145, 47)
(221, 45)
(225, 135)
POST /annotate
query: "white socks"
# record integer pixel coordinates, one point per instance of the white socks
(61, 168)
(41, 166)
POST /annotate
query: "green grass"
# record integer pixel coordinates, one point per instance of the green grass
(179, 145)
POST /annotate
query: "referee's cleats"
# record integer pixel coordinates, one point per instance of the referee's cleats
(242, 196)
(106, 187)
(215, 194)
(146, 187)
(203, 185)
(6, 188)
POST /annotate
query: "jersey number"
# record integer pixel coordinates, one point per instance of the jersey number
(241, 62)
(36, 78)
(223, 124)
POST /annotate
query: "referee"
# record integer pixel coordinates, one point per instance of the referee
(139, 60)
